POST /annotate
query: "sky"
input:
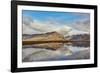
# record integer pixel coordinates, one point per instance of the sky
(61, 22)
(60, 17)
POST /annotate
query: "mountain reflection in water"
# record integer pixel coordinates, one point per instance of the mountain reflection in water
(72, 51)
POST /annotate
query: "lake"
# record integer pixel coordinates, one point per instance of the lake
(65, 52)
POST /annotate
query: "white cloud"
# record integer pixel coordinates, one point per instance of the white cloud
(30, 27)
(28, 30)
(83, 25)
(42, 27)
(36, 27)
(75, 32)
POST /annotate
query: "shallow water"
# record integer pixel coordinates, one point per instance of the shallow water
(67, 52)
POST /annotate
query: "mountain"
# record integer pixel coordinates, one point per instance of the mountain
(80, 37)
(51, 36)
(80, 40)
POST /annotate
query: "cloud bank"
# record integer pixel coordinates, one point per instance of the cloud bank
(31, 26)
(83, 25)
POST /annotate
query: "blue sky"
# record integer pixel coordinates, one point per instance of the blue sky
(60, 17)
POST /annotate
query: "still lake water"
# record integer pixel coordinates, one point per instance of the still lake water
(67, 52)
